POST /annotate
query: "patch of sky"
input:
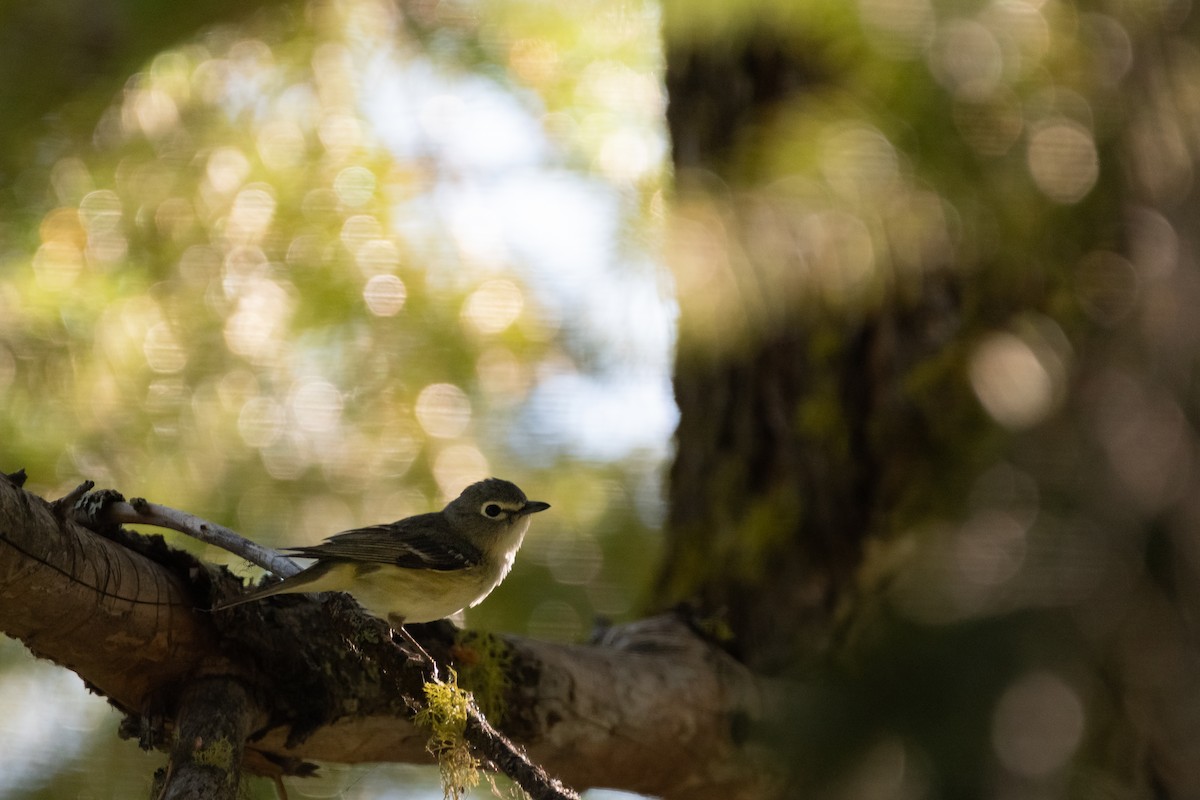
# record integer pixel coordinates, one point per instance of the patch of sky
(506, 202)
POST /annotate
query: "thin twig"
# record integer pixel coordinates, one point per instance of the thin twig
(506, 757)
(63, 505)
(142, 512)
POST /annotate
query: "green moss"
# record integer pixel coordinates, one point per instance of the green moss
(484, 663)
(716, 627)
(218, 753)
(445, 714)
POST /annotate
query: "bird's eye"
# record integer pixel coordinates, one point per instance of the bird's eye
(492, 510)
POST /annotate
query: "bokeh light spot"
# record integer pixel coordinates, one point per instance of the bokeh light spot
(340, 133)
(377, 256)
(226, 169)
(100, 211)
(63, 224)
(252, 212)
(989, 549)
(841, 246)
(1037, 725)
(306, 249)
(316, 406)
(396, 449)
(106, 249)
(72, 180)
(256, 329)
(57, 264)
(242, 265)
(493, 306)
(354, 186)
(501, 374)
(885, 772)
(260, 422)
(154, 110)
(1154, 246)
(163, 351)
(385, 295)
(1063, 161)
(457, 466)
(443, 410)
(358, 230)
(1011, 381)
(967, 59)
(281, 144)
(210, 79)
(284, 459)
(1109, 45)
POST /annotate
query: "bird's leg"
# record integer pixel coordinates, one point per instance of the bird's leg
(398, 627)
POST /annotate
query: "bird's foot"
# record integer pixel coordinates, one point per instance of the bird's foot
(421, 654)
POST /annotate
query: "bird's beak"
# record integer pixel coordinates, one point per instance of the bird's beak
(532, 507)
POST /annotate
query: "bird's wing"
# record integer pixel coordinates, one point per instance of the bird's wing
(421, 542)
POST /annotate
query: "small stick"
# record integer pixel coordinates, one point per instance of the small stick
(142, 512)
(63, 505)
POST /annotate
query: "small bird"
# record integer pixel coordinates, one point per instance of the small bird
(421, 568)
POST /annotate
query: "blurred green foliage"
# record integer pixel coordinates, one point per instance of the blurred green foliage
(240, 285)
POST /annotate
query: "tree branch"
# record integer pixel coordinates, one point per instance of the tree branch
(215, 717)
(121, 619)
(106, 509)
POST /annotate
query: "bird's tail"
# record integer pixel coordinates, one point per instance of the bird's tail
(300, 582)
(257, 594)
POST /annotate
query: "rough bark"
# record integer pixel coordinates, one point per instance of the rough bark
(215, 717)
(127, 625)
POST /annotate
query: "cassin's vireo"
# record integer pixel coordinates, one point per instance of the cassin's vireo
(421, 568)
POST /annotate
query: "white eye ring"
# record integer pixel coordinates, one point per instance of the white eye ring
(491, 510)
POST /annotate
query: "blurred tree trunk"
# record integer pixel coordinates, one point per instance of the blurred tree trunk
(936, 448)
(776, 480)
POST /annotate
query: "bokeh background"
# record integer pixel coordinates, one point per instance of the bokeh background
(323, 266)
